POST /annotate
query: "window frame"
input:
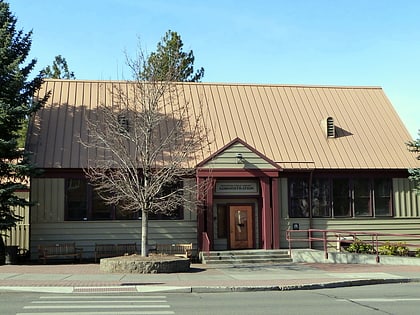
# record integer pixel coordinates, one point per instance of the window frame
(300, 200)
(367, 183)
(114, 214)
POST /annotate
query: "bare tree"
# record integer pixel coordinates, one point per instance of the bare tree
(146, 144)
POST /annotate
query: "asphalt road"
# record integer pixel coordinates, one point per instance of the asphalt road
(374, 299)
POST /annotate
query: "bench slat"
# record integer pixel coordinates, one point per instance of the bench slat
(183, 250)
(112, 250)
(59, 250)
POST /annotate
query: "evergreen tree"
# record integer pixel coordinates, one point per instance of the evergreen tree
(414, 146)
(16, 105)
(59, 69)
(170, 61)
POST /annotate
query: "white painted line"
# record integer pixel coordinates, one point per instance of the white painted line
(381, 300)
(104, 313)
(95, 306)
(96, 301)
(40, 289)
(161, 288)
(106, 297)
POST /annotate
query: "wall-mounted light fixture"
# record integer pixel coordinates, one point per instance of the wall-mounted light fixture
(239, 158)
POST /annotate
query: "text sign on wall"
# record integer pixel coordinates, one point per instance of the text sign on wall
(237, 188)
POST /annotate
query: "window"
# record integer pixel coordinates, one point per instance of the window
(100, 210)
(299, 198)
(362, 197)
(222, 225)
(321, 197)
(76, 199)
(82, 203)
(176, 214)
(340, 197)
(175, 209)
(383, 193)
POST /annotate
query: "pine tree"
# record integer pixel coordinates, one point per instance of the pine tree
(170, 61)
(59, 69)
(16, 105)
(414, 146)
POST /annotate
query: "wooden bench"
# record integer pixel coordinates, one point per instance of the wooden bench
(181, 250)
(112, 250)
(59, 251)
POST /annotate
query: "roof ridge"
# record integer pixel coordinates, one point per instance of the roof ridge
(228, 84)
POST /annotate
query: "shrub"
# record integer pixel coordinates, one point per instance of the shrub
(417, 254)
(360, 247)
(393, 249)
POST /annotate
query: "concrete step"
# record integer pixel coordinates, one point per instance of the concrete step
(246, 256)
(248, 261)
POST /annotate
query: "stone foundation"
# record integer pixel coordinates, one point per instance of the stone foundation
(139, 264)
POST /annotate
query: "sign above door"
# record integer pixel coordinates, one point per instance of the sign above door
(237, 188)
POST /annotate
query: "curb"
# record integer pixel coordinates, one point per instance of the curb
(204, 289)
(315, 286)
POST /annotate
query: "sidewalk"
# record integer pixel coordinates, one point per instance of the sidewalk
(83, 278)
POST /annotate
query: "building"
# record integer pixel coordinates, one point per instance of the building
(326, 157)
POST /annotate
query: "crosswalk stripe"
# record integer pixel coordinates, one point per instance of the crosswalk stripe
(94, 297)
(95, 306)
(96, 301)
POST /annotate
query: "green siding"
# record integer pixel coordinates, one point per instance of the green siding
(227, 159)
(406, 200)
(86, 234)
(48, 225)
(48, 196)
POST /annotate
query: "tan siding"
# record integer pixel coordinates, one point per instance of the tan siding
(19, 235)
(86, 234)
(48, 195)
(406, 200)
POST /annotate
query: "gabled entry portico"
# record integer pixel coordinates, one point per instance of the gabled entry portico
(241, 209)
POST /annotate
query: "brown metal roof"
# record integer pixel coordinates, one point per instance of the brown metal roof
(283, 122)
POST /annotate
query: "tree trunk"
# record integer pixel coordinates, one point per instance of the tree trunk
(144, 232)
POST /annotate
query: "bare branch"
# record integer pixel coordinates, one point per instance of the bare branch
(147, 142)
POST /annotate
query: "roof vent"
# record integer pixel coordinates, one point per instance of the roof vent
(329, 127)
(123, 121)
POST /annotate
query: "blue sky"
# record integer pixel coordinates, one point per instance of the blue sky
(320, 42)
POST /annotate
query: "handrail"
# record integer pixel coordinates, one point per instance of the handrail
(206, 244)
(339, 236)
